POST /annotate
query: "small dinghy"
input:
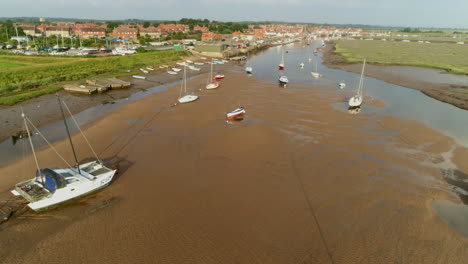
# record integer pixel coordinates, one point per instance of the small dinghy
(176, 69)
(301, 65)
(189, 61)
(199, 63)
(219, 76)
(182, 63)
(248, 70)
(236, 114)
(149, 68)
(139, 77)
(143, 70)
(193, 68)
(342, 84)
(171, 72)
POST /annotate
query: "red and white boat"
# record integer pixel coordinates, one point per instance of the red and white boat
(212, 85)
(281, 65)
(219, 76)
(236, 114)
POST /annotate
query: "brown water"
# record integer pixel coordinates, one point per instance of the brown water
(298, 181)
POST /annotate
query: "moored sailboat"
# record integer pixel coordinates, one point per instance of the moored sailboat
(281, 65)
(53, 186)
(186, 98)
(213, 84)
(356, 100)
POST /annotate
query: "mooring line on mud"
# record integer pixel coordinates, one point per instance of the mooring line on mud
(311, 209)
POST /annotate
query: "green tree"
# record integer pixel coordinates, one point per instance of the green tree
(146, 24)
(8, 30)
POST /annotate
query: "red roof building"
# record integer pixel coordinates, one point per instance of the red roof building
(200, 28)
(210, 36)
(91, 32)
(125, 32)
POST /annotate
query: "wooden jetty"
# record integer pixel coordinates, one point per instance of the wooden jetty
(97, 85)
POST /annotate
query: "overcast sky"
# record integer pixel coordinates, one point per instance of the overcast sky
(413, 13)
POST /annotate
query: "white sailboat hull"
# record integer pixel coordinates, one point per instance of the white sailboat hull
(212, 85)
(187, 98)
(93, 177)
(355, 101)
(315, 74)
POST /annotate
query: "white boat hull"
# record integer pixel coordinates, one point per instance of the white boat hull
(237, 113)
(187, 98)
(355, 101)
(77, 185)
(212, 85)
(283, 80)
(315, 74)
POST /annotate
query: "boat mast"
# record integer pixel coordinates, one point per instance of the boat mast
(185, 79)
(211, 70)
(68, 133)
(361, 80)
(32, 146)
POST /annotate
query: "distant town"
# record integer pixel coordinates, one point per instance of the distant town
(59, 37)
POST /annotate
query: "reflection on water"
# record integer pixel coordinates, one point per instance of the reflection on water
(456, 215)
(354, 110)
(400, 101)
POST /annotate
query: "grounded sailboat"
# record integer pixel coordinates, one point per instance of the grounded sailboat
(53, 186)
(213, 84)
(281, 65)
(356, 100)
(248, 70)
(315, 73)
(187, 98)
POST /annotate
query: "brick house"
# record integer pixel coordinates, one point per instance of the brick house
(210, 36)
(169, 28)
(28, 29)
(150, 31)
(201, 28)
(125, 32)
(57, 31)
(91, 32)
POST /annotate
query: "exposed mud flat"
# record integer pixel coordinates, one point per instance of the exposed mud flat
(194, 188)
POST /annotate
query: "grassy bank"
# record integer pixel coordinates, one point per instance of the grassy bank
(450, 57)
(25, 77)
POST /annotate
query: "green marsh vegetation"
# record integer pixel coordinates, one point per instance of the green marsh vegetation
(24, 77)
(446, 56)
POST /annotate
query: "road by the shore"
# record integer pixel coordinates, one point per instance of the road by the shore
(297, 182)
(454, 94)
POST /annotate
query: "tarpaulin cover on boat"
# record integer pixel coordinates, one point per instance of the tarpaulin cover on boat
(53, 180)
